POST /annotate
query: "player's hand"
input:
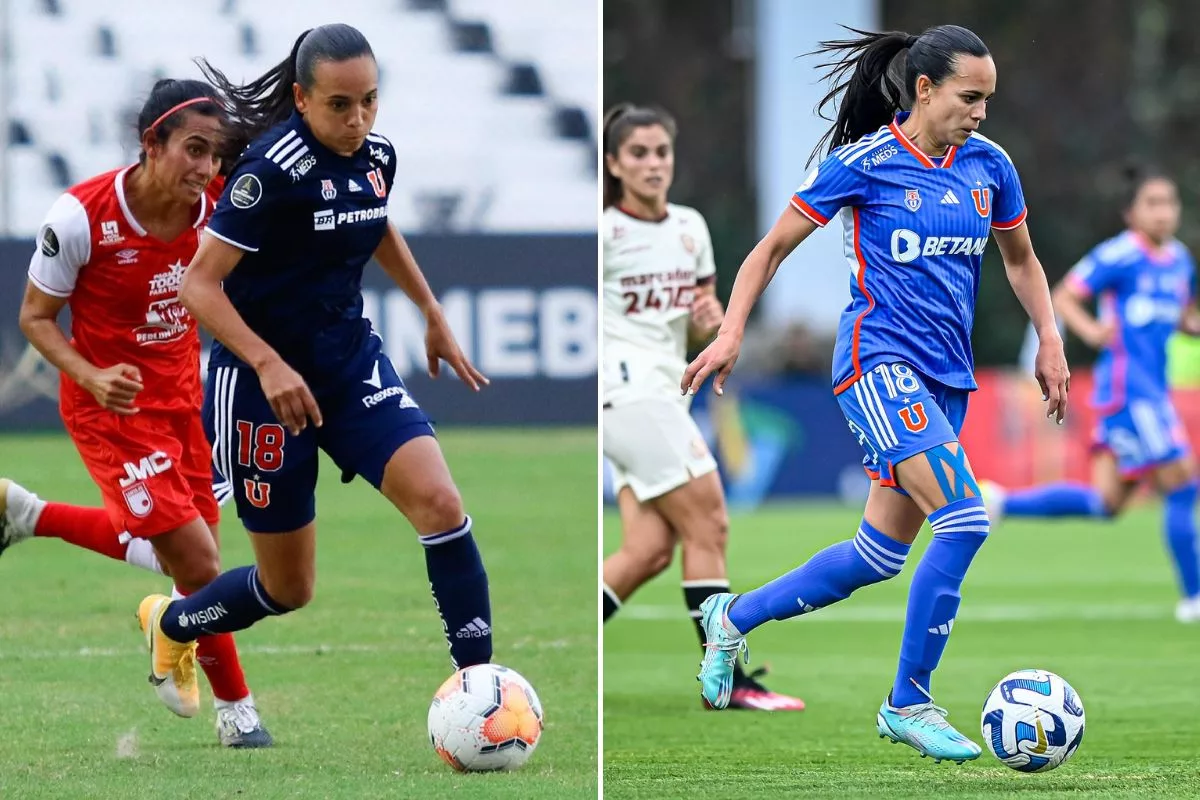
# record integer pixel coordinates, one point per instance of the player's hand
(1054, 377)
(115, 388)
(289, 396)
(440, 345)
(707, 314)
(1101, 335)
(719, 357)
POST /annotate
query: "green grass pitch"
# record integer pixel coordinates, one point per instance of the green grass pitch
(1092, 602)
(344, 684)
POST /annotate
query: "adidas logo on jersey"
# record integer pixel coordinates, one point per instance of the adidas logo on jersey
(475, 629)
(353, 186)
(949, 199)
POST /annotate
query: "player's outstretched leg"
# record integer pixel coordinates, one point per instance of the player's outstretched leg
(828, 577)
(24, 515)
(940, 480)
(1052, 500)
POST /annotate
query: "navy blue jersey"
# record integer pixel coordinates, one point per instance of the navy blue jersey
(308, 220)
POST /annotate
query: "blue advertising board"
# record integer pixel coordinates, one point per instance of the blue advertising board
(524, 309)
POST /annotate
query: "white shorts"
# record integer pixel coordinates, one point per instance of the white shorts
(654, 446)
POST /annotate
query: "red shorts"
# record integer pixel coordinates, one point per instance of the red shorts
(153, 468)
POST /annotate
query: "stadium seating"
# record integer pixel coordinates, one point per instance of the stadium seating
(491, 105)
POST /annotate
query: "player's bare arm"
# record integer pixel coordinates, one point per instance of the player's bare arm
(114, 387)
(398, 262)
(1028, 281)
(753, 276)
(707, 314)
(202, 295)
(1071, 303)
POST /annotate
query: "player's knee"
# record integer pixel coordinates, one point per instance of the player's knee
(653, 557)
(293, 593)
(709, 530)
(440, 508)
(196, 571)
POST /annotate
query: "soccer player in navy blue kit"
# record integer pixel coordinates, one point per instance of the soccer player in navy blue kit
(1143, 280)
(918, 194)
(295, 365)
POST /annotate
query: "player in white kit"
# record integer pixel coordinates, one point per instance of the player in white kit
(659, 293)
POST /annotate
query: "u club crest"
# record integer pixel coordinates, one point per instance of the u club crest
(912, 199)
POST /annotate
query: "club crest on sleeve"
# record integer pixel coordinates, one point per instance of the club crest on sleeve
(328, 190)
(912, 199)
(245, 192)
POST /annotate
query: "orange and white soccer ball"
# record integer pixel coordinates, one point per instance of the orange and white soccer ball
(485, 717)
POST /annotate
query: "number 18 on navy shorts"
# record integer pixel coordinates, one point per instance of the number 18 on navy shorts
(896, 413)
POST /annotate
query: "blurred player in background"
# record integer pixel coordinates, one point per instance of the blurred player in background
(918, 194)
(277, 281)
(659, 293)
(114, 249)
(1143, 279)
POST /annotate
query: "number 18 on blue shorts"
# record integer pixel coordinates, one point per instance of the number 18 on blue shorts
(896, 413)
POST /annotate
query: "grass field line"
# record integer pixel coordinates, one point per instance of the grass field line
(263, 649)
(972, 612)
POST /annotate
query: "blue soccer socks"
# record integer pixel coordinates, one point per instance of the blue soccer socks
(1179, 525)
(235, 600)
(1055, 500)
(829, 576)
(959, 530)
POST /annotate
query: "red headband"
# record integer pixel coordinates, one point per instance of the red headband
(182, 105)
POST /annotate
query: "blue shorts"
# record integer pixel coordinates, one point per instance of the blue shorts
(896, 413)
(1143, 434)
(367, 414)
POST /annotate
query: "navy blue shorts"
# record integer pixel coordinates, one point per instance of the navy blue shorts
(896, 413)
(367, 414)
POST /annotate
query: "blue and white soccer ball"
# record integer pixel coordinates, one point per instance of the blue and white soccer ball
(1032, 720)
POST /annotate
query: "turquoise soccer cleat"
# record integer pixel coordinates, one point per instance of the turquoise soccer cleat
(723, 645)
(923, 727)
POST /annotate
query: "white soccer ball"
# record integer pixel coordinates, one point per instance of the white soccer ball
(1032, 720)
(485, 717)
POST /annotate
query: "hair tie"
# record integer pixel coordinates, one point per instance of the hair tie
(910, 41)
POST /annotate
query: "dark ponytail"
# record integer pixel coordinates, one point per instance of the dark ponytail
(169, 100)
(876, 75)
(620, 121)
(266, 101)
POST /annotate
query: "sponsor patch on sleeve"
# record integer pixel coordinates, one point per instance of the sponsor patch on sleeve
(50, 246)
(246, 192)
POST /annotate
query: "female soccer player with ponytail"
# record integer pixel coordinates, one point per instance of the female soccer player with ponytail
(659, 290)
(918, 193)
(1143, 281)
(296, 367)
(114, 249)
